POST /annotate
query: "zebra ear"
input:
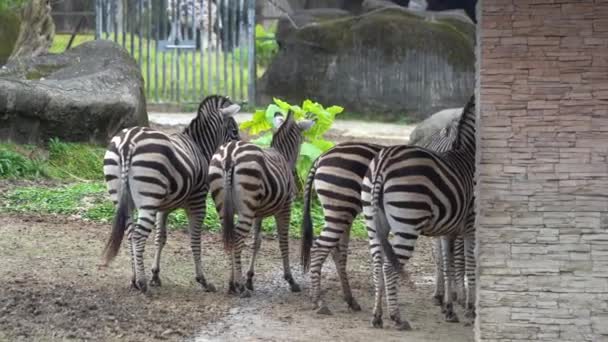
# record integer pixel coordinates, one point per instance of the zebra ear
(306, 124)
(230, 110)
(278, 120)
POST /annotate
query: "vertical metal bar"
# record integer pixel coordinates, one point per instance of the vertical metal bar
(251, 51)
(233, 30)
(106, 17)
(97, 19)
(218, 47)
(195, 23)
(156, 60)
(139, 33)
(202, 55)
(209, 29)
(123, 18)
(225, 30)
(186, 22)
(179, 54)
(164, 68)
(113, 9)
(131, 29)
(148, 38)
(242, 49)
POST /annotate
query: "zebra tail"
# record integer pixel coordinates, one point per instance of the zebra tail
(122, 213)
(307, 228)
(228, 219)
(383, 228)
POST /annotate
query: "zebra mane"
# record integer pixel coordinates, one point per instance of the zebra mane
(208, 125)
(287, 139)
(467, 118)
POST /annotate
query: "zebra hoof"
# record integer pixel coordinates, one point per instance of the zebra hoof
(232, 288)
(437, 300)
(377, 322)
(295, 287)
(209, 288)
(155, 281)
(451, 317)
(470, 313)
(249, 284)
(403, 326)
(245, 293)
(324, 310)
(142, 285)
(353, 305)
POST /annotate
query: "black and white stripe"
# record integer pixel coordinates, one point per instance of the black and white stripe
(410, 191)
(255, 183)
(337, 176)
(157, 173)
(443, 143)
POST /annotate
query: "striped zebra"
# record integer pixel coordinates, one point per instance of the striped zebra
(337, 176)
(157, 173)
(255, 183)
(410, 191)
(444, 143)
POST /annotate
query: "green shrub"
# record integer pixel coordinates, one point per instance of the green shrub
(266, 46)
(16, 165)
(314, 144)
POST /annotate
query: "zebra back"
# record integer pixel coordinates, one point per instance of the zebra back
(289, 136)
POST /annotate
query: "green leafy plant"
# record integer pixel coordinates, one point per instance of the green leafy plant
(265, 45)
(16, 165)
(314, 144)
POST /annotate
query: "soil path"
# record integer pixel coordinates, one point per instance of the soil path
(52, 290)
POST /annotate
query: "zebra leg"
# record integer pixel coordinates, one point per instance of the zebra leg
(282, 222)
(459, 271)
(318, 255)
(145, 224)
(257, 242)
(391, 281)
(129, 233)
(235, 286)
(450, 315)
(196, 215)
(469, 254)
(340, 256)
(439, 281)
(378, 278)
(159, 242)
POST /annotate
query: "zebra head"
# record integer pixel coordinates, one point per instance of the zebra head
(212, 124)
(289, 135)
(231, 130)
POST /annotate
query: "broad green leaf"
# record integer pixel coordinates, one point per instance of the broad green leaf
(333, 110)
(264, 140)
(271, 110)
(284, 105)
(310, 150)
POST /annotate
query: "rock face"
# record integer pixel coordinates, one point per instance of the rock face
(85, 94)
(440, 120)
(390, 60)
(9, 30)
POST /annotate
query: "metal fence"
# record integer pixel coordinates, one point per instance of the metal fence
(186, 49)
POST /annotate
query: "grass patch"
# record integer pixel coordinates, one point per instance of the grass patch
(90, 201)
(225, 73)
(58, 160)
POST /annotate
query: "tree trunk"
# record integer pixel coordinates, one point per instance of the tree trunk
(36, 32)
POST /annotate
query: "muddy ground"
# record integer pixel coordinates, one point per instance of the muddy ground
(52, 290)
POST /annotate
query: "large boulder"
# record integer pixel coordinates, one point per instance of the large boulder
(390, 60)
(86, 94)
(445, 119)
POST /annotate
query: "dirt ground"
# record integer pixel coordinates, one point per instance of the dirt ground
(52, 290)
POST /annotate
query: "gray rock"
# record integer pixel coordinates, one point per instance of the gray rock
(390, 61)
(86, 94)
(447, 118)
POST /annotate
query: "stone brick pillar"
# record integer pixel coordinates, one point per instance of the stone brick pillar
(543, 172)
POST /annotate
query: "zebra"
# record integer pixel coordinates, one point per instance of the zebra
(157, 173)
(409, 191)
(255, 183)
(337, 176)
(443, 143)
